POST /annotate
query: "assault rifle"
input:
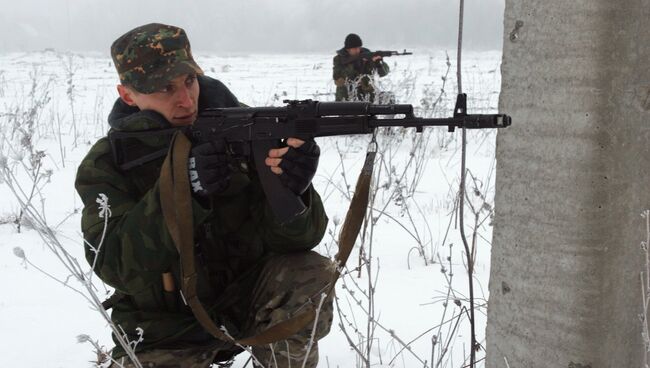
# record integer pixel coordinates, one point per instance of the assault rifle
(250, 132)
(369, 55)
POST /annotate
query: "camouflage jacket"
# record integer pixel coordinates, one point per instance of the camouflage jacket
(346, 73)
(235, 231)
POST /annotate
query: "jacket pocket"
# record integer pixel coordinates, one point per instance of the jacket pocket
(156, 299)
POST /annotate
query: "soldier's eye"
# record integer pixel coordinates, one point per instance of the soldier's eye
(190, 80)
(167, 89)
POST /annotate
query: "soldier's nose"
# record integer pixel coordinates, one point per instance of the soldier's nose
(185, 99)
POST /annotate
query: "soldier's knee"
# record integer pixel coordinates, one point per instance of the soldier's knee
(318, 266)
(303, 272)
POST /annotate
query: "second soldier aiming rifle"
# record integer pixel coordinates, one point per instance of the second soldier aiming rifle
(369, 55)
(250, 132)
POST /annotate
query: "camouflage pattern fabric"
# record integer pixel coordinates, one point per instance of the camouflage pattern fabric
(200, 357)
(149, 56)
(286, 284)
(236, 234)
(355, 77)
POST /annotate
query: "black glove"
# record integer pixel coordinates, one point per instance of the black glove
(299, 166)
(208, 168)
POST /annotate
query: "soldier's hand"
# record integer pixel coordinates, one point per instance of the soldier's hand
(208, 168)
(296, 164)
(376, 57)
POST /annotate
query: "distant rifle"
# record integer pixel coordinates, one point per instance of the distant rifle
(250, 132)
(370, 54)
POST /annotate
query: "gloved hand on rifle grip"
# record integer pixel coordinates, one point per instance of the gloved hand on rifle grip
(208, 168)
(299, 166)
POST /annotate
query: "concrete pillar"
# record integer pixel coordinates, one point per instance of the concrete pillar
(573, 175)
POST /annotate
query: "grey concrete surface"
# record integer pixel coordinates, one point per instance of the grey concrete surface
(573, 175)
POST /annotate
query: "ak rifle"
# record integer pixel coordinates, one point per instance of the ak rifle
(370, 54)
(250, 132)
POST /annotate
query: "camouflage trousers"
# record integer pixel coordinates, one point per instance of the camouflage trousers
(287, 283)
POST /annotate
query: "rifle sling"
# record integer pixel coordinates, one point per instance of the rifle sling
(176, 203)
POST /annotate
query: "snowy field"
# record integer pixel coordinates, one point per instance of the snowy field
(53, 106)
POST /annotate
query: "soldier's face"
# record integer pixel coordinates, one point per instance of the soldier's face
(354, 51)
(177, 102)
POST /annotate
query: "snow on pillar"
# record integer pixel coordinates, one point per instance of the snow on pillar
(573, 176)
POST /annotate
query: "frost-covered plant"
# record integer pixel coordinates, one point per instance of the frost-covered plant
(433, 94)
(103, 356)
(395, 201)
(86, 288)
(23, 173)
(386, 90)
(393, 185)
(71, 68)
(18, 136)
(3, 83)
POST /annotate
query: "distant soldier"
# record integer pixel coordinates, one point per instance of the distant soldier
(353, 69)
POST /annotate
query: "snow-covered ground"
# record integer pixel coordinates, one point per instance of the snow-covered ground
(417, 258)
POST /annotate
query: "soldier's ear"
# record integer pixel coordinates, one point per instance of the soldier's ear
(126, 94)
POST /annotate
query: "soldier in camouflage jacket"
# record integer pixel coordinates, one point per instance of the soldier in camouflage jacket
(253, 272)
(352, 74)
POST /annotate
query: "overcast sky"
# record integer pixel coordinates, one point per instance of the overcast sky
(252, 25)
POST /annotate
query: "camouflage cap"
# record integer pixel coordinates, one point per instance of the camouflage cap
(149, 56)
